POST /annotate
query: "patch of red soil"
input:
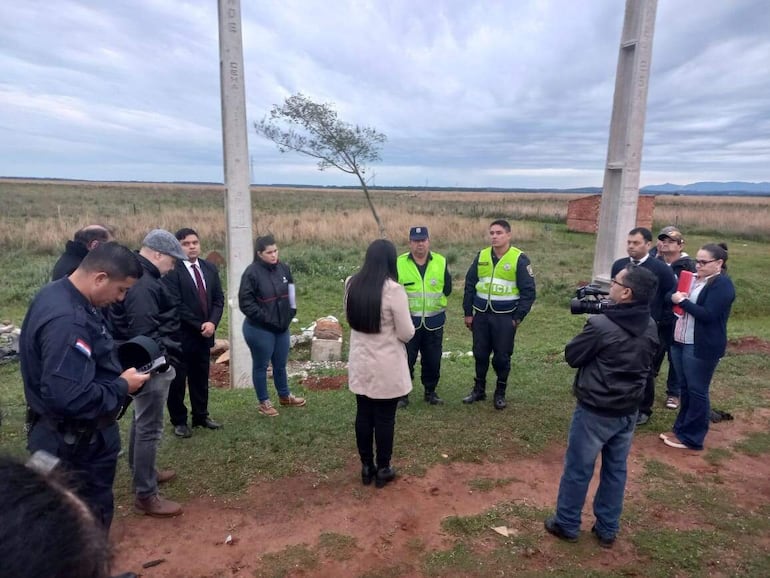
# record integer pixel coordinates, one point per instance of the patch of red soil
(219, 375)
(318, 383)
(395, 526)
(748, 345)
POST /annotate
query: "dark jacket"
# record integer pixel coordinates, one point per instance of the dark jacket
(666, 283)
(711, 310)
(67, 361)
(613, 355)
(69, 261)
(264, 296)
(182, 289)
(684, 263)
(525, 282)
(149, 310)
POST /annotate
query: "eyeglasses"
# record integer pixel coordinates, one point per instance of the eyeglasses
(616, 282)
(703, 262)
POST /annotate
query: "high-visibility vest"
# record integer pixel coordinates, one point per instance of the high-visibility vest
(425, 293)
(496, 289)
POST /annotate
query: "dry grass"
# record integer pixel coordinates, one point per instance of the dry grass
(37, 216)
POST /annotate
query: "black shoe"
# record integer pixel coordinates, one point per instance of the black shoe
(603, 542)
(476, 394)
(642, 419)
(402, 402)
(385, 475)
(555, 530)
(182, 431)
(208, 423)
(500, 401)
(368, 473)
(433, 399)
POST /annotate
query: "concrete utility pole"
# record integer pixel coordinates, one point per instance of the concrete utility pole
(237, 192)
(620, 192)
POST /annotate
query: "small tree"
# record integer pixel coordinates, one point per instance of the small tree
(313, 129)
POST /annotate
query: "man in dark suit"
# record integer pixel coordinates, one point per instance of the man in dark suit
(638, 248)
(197, 290)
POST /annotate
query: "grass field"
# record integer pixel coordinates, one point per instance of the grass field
(322, 235)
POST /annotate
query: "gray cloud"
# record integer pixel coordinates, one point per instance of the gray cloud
(474, 94)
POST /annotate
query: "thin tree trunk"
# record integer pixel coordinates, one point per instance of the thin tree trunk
(371, 206)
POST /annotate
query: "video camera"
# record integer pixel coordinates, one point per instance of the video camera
(588, 300)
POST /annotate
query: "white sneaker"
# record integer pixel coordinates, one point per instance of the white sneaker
(672, 402)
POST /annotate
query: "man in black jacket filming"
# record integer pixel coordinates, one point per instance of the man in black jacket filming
(613, 355)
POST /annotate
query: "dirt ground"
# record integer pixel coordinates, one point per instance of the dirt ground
(387, 523)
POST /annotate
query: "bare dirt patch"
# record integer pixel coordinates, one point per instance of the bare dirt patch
(397, 525)
(320, 383)
(219, 375)
(748, 345)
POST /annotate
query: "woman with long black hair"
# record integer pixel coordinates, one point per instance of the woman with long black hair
(377, 310)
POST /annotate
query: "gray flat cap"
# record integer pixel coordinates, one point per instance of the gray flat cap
(164, 242)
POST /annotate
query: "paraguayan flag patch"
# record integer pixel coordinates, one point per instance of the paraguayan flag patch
(83, 347)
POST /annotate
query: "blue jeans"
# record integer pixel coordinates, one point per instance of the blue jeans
(267, 347)
(146, 431)
(692, 423)
(589, 435)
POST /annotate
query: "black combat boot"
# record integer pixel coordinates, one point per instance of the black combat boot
(384, 475)
(500, 395)
(368, 473)
(432, 397)
(478, 393)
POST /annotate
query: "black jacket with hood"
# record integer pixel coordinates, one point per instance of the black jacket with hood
(264, 295)
(148, 309)
(613, 355)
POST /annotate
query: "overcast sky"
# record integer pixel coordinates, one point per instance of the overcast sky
(483, 93)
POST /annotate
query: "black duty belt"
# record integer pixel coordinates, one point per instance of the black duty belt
(75, 425)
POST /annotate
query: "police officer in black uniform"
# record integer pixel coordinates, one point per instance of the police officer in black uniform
(72, 382)
(499, 292)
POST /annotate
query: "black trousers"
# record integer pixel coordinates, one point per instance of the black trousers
(428, 344)
(649, 387)
(193, 372)
(375, 422)
(90, 459)
(493, 333)
(666, 337)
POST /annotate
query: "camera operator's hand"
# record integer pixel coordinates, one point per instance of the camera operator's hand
(134, 378)
(469, 321)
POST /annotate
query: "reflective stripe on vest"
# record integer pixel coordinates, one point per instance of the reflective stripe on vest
(425, 294)
(496, 289)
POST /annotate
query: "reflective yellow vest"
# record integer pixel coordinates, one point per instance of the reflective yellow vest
(496, 289)
(426, 294)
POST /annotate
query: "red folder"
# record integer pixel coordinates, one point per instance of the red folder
(685, 284)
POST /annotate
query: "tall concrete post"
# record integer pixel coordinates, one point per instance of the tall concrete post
(620, 192)
(237, 192)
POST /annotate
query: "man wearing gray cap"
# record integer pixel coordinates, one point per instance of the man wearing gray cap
(149, 310)
(671, 252)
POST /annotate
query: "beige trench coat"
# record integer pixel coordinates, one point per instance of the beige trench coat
(377, 366)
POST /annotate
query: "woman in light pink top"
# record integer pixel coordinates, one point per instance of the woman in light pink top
(378, 313)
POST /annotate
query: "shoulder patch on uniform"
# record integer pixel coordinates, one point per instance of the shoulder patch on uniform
(529, 270)
(83, 347)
